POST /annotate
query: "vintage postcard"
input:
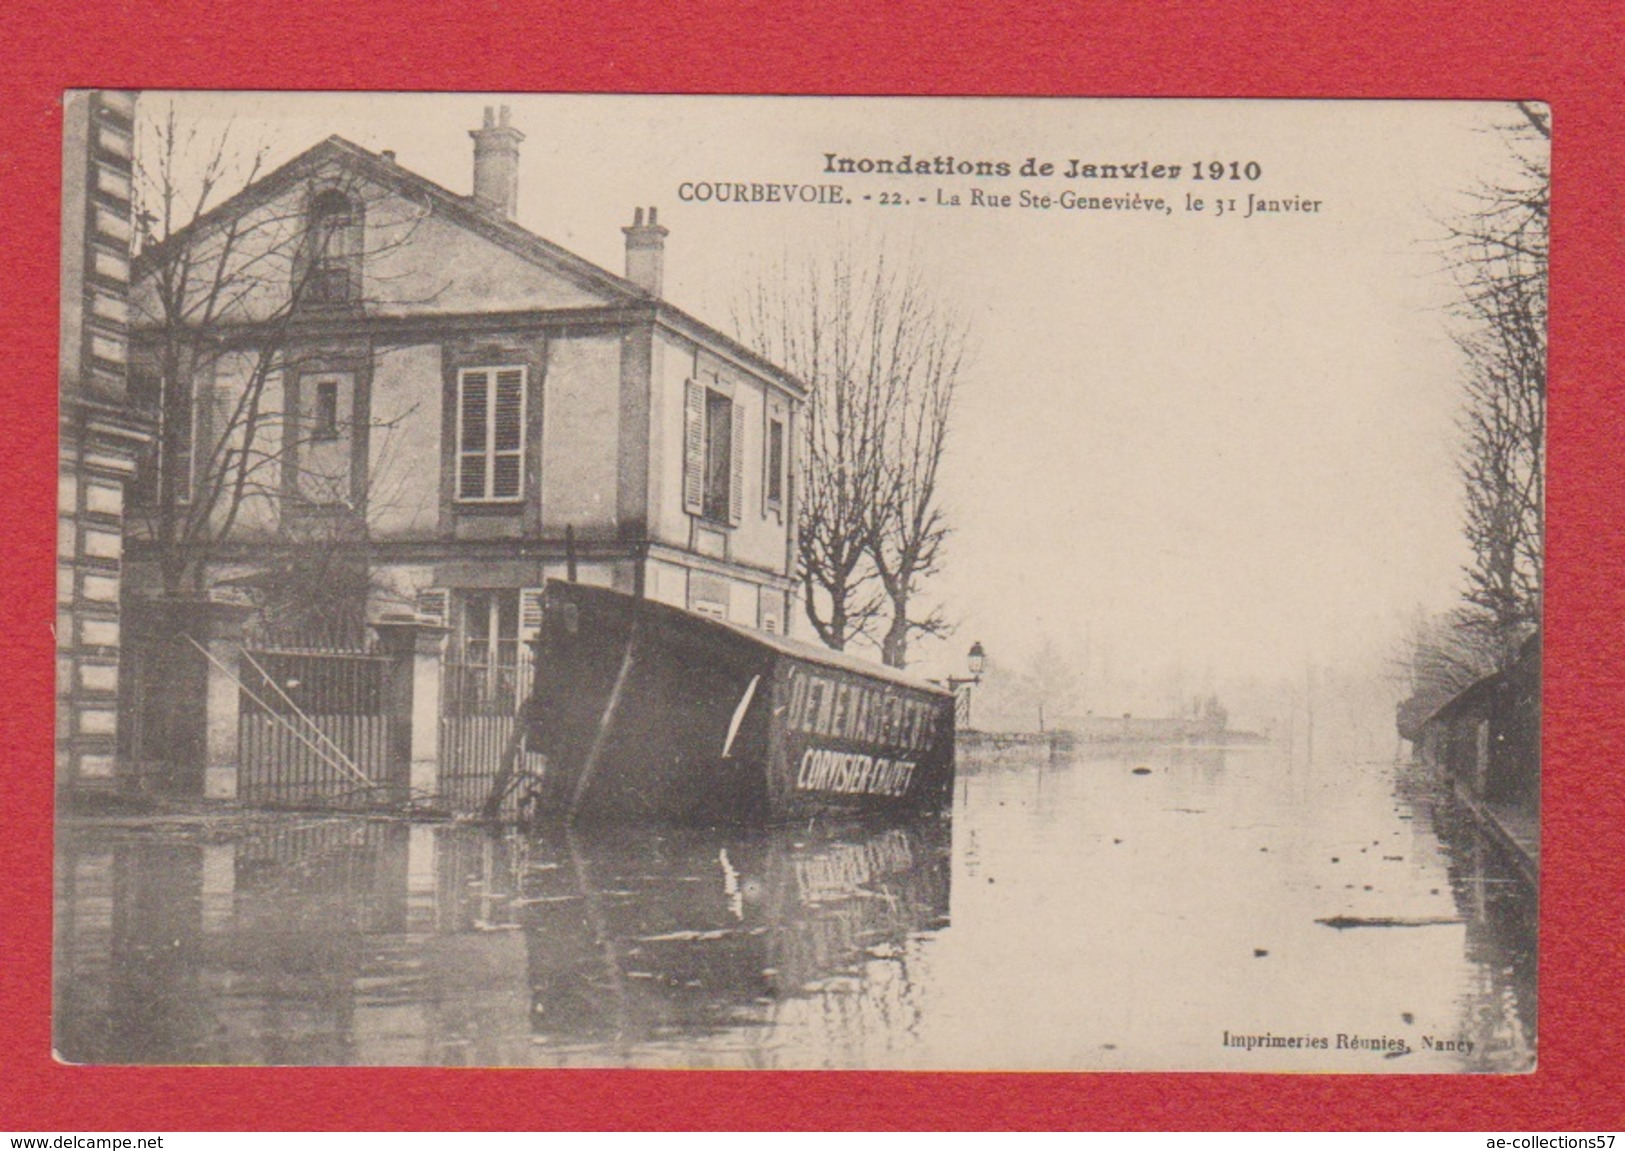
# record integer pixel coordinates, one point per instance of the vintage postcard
(768, 582)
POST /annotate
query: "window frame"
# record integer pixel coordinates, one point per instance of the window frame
(324, 409)
(489, 453)
(773, 458)
(718, 474)
(706, 404)
(327, 278)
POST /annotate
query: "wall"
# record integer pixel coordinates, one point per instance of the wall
(759, 540)
(415, 260)
(580, 434)
(219, 387)
(430, 264)
(99, 438)
(403, 449)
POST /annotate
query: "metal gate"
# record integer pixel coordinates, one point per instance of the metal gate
(313, 730)
(479, 708)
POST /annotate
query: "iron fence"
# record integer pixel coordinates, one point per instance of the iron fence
(480, 707)
(313, 729)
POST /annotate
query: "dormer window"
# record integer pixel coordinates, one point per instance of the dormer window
(332, 265)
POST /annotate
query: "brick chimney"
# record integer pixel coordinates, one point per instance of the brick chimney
(496, 163)
(646, 252)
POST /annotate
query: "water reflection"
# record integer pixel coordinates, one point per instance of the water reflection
(1498, 909)
(340, 941)
(1109, 910)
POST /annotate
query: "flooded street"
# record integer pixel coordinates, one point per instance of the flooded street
(1121, 909)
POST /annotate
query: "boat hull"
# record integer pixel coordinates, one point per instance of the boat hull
(645, 711)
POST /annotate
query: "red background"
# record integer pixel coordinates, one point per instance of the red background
(1569, 55)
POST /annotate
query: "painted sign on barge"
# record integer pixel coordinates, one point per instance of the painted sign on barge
(646, 711)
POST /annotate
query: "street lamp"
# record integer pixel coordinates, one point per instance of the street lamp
(976, 660)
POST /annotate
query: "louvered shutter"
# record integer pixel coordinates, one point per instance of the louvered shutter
(473, 423)
(736, 481)
(530, 614)
(434, 604)
(767, 460)
(792, 453)
(693, 448)
(508, 435)
(491, 434)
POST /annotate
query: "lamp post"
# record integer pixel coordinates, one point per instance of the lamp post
(976, 660)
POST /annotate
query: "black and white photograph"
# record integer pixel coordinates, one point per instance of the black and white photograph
(768, 582)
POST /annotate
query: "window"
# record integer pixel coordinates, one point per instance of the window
(775, 464)
(491, 628)
(331, 269)
(322, 470)
(718, 455)
(487, 677)
(490, 434)
(714, 455)
(325, 411)
(494, 629)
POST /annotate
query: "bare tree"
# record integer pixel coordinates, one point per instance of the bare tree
(224, 308)
(881, 358)
(910, 527)
(826, 321)
(1499, 255)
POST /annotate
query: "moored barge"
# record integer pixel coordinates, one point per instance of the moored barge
(649, 712)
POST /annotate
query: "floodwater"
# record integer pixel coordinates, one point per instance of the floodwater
(1076, 914)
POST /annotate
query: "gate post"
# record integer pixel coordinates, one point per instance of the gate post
(221, 627)
(412, 702)
(196, 648)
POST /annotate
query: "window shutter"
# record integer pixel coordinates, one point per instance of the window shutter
(736, 482)
(693, 448)
(773, 466)
(473, 416)
(491, 433)
(792, 450)
(767, 460)
(508, 435)
(530, 614)
(433, 605)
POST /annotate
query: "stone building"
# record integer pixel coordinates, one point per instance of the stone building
(467, 408)
(100, 436)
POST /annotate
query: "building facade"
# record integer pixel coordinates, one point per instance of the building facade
(464, 407)
(99, 436)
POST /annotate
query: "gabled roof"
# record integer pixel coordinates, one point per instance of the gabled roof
(465, 212)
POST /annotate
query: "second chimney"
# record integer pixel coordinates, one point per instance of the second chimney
(646, 252)
(496, 163)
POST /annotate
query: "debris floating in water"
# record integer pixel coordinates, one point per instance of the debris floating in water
(1344, 921)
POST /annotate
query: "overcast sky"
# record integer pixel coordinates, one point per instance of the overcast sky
(1219, 441)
